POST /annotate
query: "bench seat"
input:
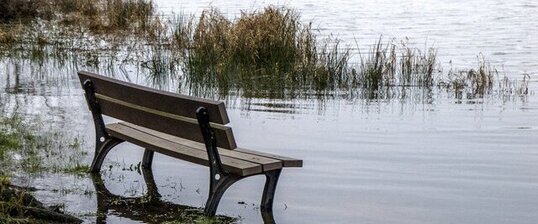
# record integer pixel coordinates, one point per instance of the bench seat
(242, 162)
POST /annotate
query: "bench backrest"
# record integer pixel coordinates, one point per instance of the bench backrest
(165, 112)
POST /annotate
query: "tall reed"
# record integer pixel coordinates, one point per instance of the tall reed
(266, 50)
(478, 81)
(394, 64)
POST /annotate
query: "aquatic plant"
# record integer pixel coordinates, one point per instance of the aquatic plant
(417, 67)
(478, 81)
(394, 64)
(510, 87)
(25, 146)
(377, 68)
(266, 50)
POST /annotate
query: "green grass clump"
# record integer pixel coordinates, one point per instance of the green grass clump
(25, 146)
(481, 79)
(417, 67)
(477, 81)
(11, 138)
(393, 64)
(77, 169)
(377, 67)
(263, 51)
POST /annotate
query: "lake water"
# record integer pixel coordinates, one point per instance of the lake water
(425, 158)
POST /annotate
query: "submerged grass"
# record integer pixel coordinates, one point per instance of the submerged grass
(479, 81)
(24, 146)
(262, 51)
(394, 64)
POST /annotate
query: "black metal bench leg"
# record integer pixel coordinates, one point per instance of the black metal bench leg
(101, 151)
(217, 189)
(102, 197)
(153, 191)
(266, 205)
(147, 159)
(220, 180)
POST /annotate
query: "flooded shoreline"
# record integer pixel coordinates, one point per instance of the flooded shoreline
(404, 154)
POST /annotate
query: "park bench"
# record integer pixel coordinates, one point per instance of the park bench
(184, 127)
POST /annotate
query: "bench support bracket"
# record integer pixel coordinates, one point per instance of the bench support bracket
(101, 150)
(220, 185)
(266, 206)
(216, 190)
(103, 141)
(220, 180)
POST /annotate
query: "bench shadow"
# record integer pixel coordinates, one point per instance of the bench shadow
(149, 208)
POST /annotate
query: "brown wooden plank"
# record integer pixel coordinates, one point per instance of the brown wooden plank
(164, 122)
(267, 163)
(159, 100)
(287, 161)
(184, 152)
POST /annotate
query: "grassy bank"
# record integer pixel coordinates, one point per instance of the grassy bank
(98, 15)
(28, 149)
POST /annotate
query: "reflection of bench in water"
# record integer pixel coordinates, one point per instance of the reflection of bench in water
(187, 128)
(148, 208)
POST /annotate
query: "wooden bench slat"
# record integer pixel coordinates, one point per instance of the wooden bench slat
(267, 163)
(286, 161)
(151, 98)
(164, 122)
(184, 152)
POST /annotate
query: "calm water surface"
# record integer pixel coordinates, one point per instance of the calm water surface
(427, 158)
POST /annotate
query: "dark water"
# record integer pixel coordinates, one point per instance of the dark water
(428, 157)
